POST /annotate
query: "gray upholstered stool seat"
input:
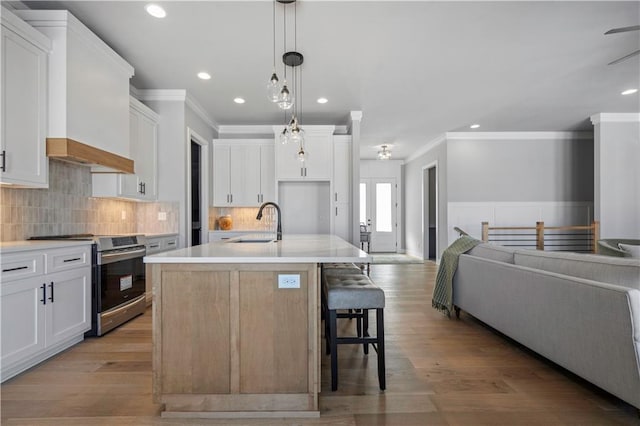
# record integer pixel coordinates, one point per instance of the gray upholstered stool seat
(353, 292)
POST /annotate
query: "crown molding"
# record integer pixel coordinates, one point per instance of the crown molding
(517, 135)
(266, 129)
(615, 117)
(356, 115)
(428, 147)
(24, 30)
(201, 112)
(177, 95)
(162, 95)
(64, 19)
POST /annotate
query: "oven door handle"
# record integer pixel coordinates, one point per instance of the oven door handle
(118, 256)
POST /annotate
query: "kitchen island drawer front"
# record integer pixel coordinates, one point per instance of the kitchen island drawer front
(68, 258)
(22, 265)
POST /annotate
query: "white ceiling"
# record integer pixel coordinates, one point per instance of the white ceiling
(416, 69)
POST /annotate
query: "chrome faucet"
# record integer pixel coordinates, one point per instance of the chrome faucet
(259, 217)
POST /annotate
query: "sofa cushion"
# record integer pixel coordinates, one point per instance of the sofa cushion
(606, 269)
(493, 252)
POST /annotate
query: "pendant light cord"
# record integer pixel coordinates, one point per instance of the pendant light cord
(274, 35)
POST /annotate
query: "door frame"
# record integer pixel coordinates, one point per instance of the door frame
(371, 182)
(425, 185)
(192, 136)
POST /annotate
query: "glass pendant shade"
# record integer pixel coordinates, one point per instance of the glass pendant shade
(284, 136)
(285, 100)
(301, 154)
(273, 88)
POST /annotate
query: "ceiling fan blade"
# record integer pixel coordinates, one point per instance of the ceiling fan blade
(624, 58)
(623, 29)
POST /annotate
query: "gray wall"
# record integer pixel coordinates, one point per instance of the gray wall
(520, 170)
(413, 199)
(617, 179)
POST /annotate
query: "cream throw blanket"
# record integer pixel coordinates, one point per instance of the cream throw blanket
(443, 290)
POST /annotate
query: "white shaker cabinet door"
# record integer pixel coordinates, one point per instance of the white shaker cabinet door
(24, 110)
(68, 304)
(267, 173)
(22, 317)
(221, 175)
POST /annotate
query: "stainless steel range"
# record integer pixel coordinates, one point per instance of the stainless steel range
(118, 282)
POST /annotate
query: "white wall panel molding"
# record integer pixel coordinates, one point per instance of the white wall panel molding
(515, 136)
(617, 117)
(469, 216)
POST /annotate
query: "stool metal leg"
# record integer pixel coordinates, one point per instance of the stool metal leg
(380, 337)
(334, 349)
(365, 329)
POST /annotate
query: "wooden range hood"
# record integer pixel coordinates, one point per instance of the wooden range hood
(77, 152)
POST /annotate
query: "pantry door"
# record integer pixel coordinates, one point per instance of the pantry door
(378, 210)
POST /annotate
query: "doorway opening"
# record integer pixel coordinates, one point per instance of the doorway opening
(430, 212)
(378, 211)
(196, 194)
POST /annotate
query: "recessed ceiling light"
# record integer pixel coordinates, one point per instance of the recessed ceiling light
(204, 75)
(474, 126)
(155, 10)
(238, 100)
(322, 100)
(629, 91)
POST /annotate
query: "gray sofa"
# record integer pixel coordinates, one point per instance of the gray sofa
(580, 311)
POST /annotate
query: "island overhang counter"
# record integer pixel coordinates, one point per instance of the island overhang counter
(236, 326)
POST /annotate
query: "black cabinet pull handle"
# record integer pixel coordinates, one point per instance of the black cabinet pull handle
(44, 294)
(71, 260)
(51, 287)
(15, 269)
(4, 161)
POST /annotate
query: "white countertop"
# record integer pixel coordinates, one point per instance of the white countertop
(16, 246)
(292, 249)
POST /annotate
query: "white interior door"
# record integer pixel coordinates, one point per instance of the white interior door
(378, 209)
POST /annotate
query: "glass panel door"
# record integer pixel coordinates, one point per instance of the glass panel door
(378, 211)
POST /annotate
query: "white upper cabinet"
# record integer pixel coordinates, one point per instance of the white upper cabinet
(342, 169)
(88, 83)
(24, 58)
(143, 139)
(342, 186)
(242, 172)
(318, 163)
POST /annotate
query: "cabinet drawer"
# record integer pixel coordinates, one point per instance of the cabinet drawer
(154, 245)
(21, 265)
(68, 258)
(170, 244)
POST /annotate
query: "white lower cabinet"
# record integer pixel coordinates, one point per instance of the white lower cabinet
(44, 312)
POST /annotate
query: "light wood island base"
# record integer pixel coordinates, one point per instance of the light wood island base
(227, 342)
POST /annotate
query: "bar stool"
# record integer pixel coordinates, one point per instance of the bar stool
(354, 292)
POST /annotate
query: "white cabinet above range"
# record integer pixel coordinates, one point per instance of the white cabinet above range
(243, 172)
(88, 83)
(143, 139)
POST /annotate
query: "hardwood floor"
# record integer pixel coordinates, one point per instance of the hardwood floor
(440, 371)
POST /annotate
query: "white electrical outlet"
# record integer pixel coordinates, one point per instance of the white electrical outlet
(288, 280)
(162, 215)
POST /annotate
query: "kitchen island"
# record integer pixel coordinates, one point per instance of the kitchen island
(236, 325)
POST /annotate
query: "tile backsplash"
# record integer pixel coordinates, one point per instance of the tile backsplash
(244, 218)
(67, 207)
